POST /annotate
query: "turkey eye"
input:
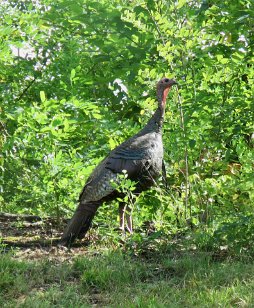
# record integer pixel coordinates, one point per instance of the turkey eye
(166, 80)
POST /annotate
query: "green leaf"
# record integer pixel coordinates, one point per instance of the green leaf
(181, 3)
(97, 116)
(192, 143)
(42, 96)
(73, 73)
(57, 122)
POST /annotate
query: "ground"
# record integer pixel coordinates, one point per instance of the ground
(101, 272)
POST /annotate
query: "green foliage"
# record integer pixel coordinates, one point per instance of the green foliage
(76, 79)
(237, 234)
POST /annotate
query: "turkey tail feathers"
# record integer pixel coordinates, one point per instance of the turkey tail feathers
(80, 223)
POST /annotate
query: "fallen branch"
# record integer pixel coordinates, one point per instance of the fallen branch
(40, 243)
(27, 217)
(9, 216)
(33, 243)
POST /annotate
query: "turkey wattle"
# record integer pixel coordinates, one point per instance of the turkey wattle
(141, 156)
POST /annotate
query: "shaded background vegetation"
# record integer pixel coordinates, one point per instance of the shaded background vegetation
(77, 78)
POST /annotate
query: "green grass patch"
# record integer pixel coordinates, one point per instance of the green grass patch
(118, 279)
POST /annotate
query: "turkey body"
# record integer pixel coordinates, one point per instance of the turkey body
(141, 156)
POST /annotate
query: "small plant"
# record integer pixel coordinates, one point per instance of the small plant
(126, 189)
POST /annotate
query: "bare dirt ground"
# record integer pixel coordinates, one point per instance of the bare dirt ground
(36, 238)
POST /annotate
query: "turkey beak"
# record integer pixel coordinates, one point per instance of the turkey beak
(174, 83)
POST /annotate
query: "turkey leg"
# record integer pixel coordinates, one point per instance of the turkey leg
(125, 213)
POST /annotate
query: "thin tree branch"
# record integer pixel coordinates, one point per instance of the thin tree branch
(27, 88)
(186, 159)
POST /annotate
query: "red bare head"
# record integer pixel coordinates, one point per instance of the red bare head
(163, 87)
(166, 83)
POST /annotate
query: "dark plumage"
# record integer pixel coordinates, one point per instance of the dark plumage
(141, 156)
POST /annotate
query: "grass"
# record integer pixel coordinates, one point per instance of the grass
(115, 278)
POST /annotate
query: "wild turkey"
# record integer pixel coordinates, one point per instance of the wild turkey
(141, 156)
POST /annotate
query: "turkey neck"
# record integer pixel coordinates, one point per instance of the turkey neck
(156, 122)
